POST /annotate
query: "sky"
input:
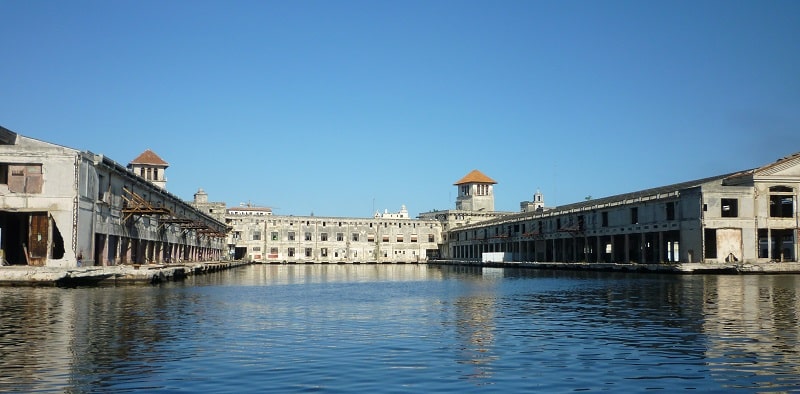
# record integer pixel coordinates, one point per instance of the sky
(343, 108)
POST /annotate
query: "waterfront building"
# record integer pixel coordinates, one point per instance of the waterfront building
(62, 207)
(747, 217)
(474, 204)
(385, 238)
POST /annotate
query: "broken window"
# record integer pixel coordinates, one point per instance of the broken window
(257, 236)
(634, 215)
(730, 208)
(308, 236)
(291, 252)
(671, 210)
(291, 235)
(355, 237)
(781, 206)
(308, 252)
(763, 243)
(323, 252)
(430, 238)
(275, 236)
(323, 236)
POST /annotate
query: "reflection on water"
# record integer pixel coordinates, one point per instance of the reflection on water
(404, 328)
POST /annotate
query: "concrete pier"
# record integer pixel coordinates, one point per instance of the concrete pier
(111, 275)
(676, 268)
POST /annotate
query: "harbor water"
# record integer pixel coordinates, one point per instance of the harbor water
(406, 328)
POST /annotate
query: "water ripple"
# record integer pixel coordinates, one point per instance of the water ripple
(405, 328)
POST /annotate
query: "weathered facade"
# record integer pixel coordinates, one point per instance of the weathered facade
(62, 207)
(384, 238)
(745, 217)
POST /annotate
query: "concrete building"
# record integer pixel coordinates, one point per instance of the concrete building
(745, 217)
(474, 204)
(386, 238)
(62, 207)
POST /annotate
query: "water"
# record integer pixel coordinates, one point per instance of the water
(406, 328)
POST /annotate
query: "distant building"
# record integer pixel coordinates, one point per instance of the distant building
(217, 210)
(258, 235)
(402, 214)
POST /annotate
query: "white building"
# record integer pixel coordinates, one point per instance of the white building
(63, 207)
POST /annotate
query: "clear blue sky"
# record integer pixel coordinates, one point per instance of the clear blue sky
(336, 107)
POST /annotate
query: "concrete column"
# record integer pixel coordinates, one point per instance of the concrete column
(660, 248)
(627, 248)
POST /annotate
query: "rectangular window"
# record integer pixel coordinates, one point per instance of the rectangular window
(274, 235)
(323, 236)
(634, 215)
(671, 211)
(323, 252)
(273, 251)
(290, 252)
(24, 178)
(308, 236)
(385, 238)
(256, 248)
(3, 173)
(781, 206)
(355, 237)
(431, 238)
(257, 236)
(400, 238)
(730, 208)
(308, 252)
(339, 237)
(291, 235)
(413, 238)
(370, 237)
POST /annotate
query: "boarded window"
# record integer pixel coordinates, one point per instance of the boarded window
(24, 178)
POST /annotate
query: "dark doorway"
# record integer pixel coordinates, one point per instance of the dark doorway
(13, 235)
(24, 237)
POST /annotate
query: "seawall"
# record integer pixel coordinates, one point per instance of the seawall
(110, 275)
(677, 268)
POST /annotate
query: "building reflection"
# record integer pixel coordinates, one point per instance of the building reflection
(754, 320)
